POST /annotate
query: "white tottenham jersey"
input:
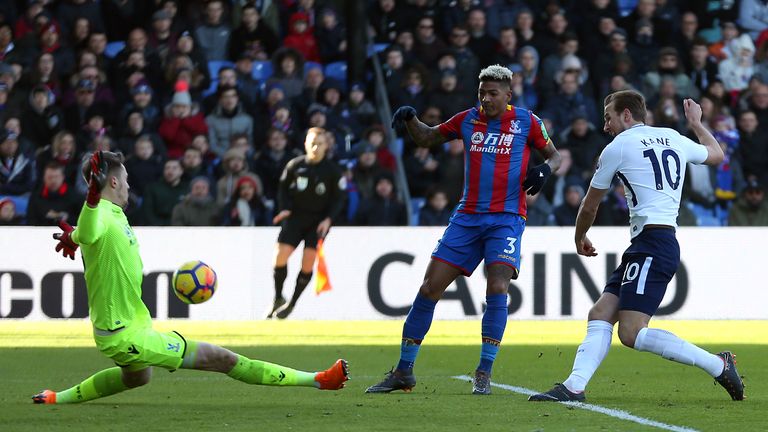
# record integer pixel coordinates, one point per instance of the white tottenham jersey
(650, 161)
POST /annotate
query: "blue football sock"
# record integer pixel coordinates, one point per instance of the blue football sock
(494, 323)
(415, 328)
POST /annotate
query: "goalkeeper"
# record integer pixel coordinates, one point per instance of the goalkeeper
(122, 327)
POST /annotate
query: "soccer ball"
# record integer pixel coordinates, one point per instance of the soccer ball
(194, 282)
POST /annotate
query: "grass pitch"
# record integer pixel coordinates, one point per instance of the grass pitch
(534, 355)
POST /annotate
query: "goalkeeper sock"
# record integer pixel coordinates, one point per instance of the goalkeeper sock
(302, 280)
(101, 384)
(263, 373)
(280, 273)
(673, 348)
(494, 323)
(415, 328)
(590, 354)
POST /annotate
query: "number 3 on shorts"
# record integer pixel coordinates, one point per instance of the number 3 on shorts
(511, 249)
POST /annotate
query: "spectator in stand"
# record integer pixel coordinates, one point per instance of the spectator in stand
(301, 38)
(448, 96)
(161, 196)
(753, 151)
(702, 69)
(554, 190)
(54, 200)
(102, 92)
(13, 124)
(393, 68)
(17, 171)
(644, 45)
(144, 166)
(362, 110)
(685, 39)
(331, 37)
(162, 39)
(467, 63)
(376, 136)
(180, 67)
(43, 72)
(235, 167)
(751, 209)
(227, 118)
(547, 41)
(421, 171)
(62, 151)
(436, 211)
(569, 101)
(524, 28)
(186, 45)
(313, 81)
(42, 119)
(412, 91)
(142, 101)
(565, 213)
(192, 166)
(246, 207)
(198, 208)
(213, 36)
(568, 45)
(271, 162)
(753, 16)
(481, 43)
(288, 64)
(384, 208)
(523, 95)
(253, 38)
(529, 61)
(50, 42)
(407, 41)
(669, 66)
(366, 170)
(182, 121)
(250, 88)
(427, 46)
(135, 127)
(97, 44)
(70, 10)
(75, 117)
(8, 216)
(614, 210)
(386, 20)
(507, 51)
(585, 144)
(736, 70)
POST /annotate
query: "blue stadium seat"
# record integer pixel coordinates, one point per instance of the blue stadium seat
(311, 65)
(337, 71)
(211, 88)
(215, 65)
(21, 202)
(377, 48)
(704, 216)
(262, 70)
(113, 48)
(416, 205)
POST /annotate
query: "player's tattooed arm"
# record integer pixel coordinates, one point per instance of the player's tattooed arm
(424, 135)
(552, 156)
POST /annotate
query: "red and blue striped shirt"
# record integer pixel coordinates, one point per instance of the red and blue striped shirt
(496, 154)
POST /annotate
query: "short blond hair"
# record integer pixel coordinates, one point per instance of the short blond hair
(496, 73)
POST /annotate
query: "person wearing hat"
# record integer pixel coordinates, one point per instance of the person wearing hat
(310, 198)
(246, 206)
(8, 216)
(729, 31)
(198, 208)
(143, 101)
(448, 97)
(301, 37)
(41, 120)
(50, 42)
(182, 122)
(751, 208)
(17, 171)
(161, 38)
(736, 71)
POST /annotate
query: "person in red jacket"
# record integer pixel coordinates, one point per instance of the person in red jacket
(182, 122)
(301, 37)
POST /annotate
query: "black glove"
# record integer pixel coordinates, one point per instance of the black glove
(402, 115)
(536, 178)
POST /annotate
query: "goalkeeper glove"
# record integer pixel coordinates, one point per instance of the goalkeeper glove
(66, 246)
(98, 178)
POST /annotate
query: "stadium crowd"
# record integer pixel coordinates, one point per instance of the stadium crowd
(209, 100)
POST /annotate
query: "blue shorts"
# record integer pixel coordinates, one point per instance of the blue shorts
(646, 268)
(470, 238)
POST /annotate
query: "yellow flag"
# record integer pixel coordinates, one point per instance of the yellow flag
(322, 281)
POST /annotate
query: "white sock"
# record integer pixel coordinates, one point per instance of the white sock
(673, 348)
(590, 354)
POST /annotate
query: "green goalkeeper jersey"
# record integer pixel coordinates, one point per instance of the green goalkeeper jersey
(113, 267)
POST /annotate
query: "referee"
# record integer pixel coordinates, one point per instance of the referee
(310, 196)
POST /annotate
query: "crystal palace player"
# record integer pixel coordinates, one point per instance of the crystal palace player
(122, 327)
(488, 222)
(651, 162)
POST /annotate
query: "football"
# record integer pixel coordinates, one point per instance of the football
(194, 282)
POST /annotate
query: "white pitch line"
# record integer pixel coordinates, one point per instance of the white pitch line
(623, 415)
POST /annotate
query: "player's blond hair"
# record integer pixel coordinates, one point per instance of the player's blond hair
(496, 73)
